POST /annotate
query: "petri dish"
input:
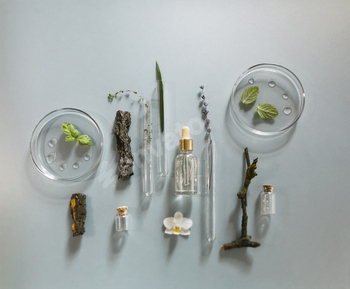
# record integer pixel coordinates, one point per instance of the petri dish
(60, 160)
(279, 87)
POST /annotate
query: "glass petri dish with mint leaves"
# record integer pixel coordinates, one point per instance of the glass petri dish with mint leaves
(267, 99)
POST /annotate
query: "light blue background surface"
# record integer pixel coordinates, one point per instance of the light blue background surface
(58, 54)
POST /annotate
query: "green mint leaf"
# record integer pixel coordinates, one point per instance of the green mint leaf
(75, 133)
(250, 95)
(69, 138)
(266, 111)
(65, 128)
(84, 140)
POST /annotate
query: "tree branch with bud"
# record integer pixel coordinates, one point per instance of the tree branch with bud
(244, 240)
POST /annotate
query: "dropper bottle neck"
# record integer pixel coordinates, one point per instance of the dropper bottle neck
(186, 143)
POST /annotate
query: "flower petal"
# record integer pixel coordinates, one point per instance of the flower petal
(185, 232)
(169, 223)
(186, 223)
(167, 231)
(178, 217)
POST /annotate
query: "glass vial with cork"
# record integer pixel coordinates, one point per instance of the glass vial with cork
(186, 166)
(122, 220)
(267, 199)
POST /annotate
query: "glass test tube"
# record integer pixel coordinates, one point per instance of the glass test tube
(210, 191)
(147, 133)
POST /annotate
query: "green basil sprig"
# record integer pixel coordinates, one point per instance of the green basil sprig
(73, 134)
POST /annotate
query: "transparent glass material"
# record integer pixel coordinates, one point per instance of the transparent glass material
(162, 156)
(147, 132)
(60, 160)
(268, 203)
(122, 223)
(279, 87)
(186, 173)
(210, 191)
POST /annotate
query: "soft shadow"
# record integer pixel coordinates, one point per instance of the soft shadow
(61, 147)
(245, 107)
(238, 257)
(235, 220)
(172, 243)
(52, 190)
(257, 120)
(89, 222)
(81, 151)
(206, 248)
(257, 143)
(117, 241)
(74, 243)
(262, 222)
(123, 184)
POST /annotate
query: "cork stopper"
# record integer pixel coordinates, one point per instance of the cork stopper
(122, 211)
(268, 188)
(186, 143)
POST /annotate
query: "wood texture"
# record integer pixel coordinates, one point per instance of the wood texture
(78, 211)
(121, 130)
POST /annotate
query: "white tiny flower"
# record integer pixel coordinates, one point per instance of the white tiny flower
(177, 225)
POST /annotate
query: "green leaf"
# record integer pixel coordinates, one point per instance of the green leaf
(69, 138)
(70, 127)
(161, 98)
(75, 133)
(65, 128)
(84, 140)
(250, 95)
(266, 111)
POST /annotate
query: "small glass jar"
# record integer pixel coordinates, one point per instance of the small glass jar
(267, 200)
(122, 220)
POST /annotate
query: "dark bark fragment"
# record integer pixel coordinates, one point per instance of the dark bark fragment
(78, 211)
(121, 130)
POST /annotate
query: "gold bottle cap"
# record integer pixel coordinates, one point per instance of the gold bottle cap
(268, 188)
(122, 211)
(185, 143)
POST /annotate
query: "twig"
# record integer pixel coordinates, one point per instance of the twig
(244, 240)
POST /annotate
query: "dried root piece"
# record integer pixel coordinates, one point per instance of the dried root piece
(78, 211)
(126, 159)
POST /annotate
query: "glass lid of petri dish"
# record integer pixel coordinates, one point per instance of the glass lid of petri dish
(60, 160)
(279, 87)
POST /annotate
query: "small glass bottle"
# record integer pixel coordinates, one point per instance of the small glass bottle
(267, 198)
(122, 220)
(186, 166)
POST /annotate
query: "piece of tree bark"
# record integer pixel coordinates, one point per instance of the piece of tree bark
(78, 211)
(121, 130)
(244, 240)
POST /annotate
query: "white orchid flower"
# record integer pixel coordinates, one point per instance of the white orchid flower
(177, 225)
